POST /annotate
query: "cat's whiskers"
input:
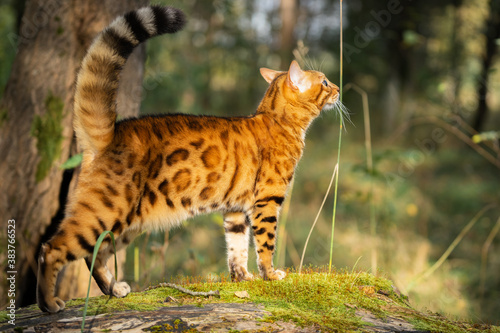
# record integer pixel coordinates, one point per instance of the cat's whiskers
(312, 64)
(342, 111)
(321, 64)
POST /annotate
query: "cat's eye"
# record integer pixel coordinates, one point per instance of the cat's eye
(325, 83)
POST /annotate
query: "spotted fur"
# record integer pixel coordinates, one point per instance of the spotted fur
(154, 172)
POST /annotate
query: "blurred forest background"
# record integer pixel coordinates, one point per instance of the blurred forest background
(429, 173)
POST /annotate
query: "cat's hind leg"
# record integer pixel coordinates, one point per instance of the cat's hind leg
(236, 227)
(102, 276)
(72, 241)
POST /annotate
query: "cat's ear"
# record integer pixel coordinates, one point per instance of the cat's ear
(268, 74)
(296, 78)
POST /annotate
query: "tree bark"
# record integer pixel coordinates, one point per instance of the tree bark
(288, 13)
(492, 34)
(37, 135)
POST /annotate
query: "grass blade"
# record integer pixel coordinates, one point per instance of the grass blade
(338, 150)
(317, 216)
(94, 255)
(484, 256)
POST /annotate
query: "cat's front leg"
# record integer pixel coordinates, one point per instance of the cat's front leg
(102, 276)
(264, 224)
(236, 227)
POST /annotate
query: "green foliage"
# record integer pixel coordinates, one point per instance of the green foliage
(47, 129)
(72, 162)
(212, 67)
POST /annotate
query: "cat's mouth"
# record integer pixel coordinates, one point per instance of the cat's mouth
(332, 101)
(341, 109)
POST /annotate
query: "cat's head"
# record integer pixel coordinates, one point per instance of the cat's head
(307, 87)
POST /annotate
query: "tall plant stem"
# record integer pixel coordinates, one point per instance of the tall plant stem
(338, 150)
(317, 217)
(484, 257)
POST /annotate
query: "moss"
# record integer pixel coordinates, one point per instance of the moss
(105, 304)
(4, 116)
(47, 129)
(311, 299)
(433, 322)
(327, 301)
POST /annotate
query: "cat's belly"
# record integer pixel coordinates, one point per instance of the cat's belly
(163, 221)
(164, 217)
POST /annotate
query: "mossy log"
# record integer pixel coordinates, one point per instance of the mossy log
(217, 317)
(307, 302)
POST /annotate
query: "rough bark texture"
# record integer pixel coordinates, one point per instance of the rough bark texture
(37, 136)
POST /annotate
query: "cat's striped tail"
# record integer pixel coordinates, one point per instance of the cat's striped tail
(97, 81)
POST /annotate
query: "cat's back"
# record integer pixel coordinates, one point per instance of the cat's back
(181, 129)
(180, 162)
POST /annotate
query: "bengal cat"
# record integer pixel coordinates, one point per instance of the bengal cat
(154, 172)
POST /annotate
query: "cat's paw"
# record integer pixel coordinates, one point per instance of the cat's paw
(52, 305)
(240, 274)
(275, 275)
(121, 289)
(246, 277)
(281, 274)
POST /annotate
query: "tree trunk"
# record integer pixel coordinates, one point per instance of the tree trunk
(492, 34)
(288, 13)
(37, 135)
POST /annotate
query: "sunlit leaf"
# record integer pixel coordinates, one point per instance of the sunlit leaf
(72, 162)
(486, 136)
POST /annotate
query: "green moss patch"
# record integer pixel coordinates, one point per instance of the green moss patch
(313, 298)
(4, 116)
(47, 129)
(327, 301)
